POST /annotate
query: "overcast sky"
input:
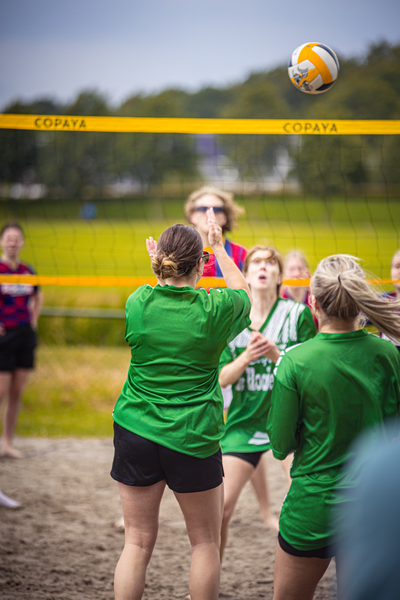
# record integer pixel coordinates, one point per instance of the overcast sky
(56, 48)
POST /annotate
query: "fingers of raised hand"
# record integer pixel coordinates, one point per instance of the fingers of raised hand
(151, 246)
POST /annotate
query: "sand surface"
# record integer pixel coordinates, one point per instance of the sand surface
(62, 543)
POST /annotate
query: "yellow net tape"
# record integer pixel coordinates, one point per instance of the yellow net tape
(134, 282)
(197, 126)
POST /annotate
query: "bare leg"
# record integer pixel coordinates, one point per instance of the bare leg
(260, 486)
(140, 507)
(17, 383)
(237, 473)
(296, 578)
(5, 384)
(203, 517)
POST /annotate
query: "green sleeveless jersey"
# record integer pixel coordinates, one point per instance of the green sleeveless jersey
(288, 323)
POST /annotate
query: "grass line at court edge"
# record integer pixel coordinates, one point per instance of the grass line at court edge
(72, 391)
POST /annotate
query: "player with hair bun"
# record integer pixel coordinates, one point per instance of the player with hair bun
(168, 420)
(326, 392)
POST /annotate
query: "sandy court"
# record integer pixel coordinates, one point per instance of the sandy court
(62, 543)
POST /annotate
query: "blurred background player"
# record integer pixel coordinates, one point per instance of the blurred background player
(395, 295)
(247, 364)
(296, 267)
(326, 392)
(395, 274)
(226, 212)
(20, 306)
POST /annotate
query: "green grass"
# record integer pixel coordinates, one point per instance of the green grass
(72, 391)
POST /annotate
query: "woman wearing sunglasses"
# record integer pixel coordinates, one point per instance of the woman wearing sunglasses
(168, 420)
(226, 213)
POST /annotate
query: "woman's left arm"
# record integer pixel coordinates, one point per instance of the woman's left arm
(283, 416)
(35, 307)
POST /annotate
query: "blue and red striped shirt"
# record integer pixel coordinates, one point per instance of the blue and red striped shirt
(235, 251)
(14, 297)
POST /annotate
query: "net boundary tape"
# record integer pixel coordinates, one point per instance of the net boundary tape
(199, 126)
(99, 281)
(189, 126)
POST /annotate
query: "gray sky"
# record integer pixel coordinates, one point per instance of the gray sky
(56, 48)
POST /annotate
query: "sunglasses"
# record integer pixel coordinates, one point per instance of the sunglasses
(206, 256)
(217, 209)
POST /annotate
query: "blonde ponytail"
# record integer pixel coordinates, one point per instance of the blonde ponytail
(341, 291)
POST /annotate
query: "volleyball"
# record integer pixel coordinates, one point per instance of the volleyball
(313, 68)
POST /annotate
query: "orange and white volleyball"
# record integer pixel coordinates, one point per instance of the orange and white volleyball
(313, 68)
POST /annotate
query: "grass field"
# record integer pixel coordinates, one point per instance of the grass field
(72, 391)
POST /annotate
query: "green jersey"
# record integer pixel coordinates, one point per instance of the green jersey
(326, 392)
(288, 323)
(176, 334)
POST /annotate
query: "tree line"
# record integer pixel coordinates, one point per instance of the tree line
(76, 165)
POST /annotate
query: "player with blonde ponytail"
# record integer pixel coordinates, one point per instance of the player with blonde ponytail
(326, 391)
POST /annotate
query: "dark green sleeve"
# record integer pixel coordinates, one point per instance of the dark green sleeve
(284, 413)
(241, 306)
(306, 327)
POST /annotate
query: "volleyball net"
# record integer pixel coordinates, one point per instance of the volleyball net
(89, 190)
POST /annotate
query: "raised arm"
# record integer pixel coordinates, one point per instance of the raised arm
(232, 275)
(151, 247)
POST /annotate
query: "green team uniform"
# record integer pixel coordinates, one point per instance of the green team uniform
(326, 391)
(176, 334)
(288, 323)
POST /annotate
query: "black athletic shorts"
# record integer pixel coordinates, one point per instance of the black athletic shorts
(17, 347)
(251, 457)
(141, 462)
(325, 552)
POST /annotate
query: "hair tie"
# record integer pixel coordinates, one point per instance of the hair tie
(340, 283)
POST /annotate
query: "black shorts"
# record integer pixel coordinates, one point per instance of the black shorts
(325, 552)
(141, 462)
(17, 348)
(251, 457)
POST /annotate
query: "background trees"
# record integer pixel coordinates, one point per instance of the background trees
(88, 165)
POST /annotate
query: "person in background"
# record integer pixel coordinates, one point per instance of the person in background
(395, 274)
(20, 306)
(296, 267)
(168, 419)
(226, 212)
(326, 391)
(395, 295)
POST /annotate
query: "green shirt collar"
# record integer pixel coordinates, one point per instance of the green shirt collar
(349, 335)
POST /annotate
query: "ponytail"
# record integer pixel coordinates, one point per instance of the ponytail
(341, 291)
